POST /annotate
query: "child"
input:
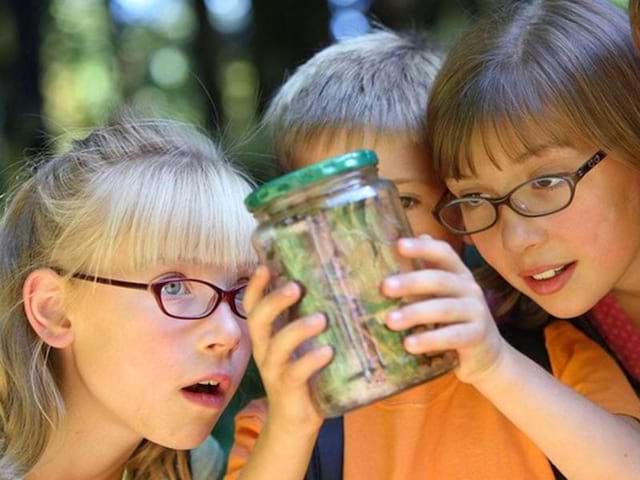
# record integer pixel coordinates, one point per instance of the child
(370, 92)
(122, 337)
(547, 94)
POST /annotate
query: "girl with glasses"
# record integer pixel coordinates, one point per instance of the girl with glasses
(534, 123)
(498, 415)
(122, 335)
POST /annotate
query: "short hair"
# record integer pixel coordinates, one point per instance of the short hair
(379, 81)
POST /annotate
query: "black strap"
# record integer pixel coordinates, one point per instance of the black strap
(328, 453)
(528, 341)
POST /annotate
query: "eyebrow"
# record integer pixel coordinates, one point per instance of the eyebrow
(402, 180)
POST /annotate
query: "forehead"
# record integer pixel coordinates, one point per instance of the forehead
(502, 148)
(399, 157)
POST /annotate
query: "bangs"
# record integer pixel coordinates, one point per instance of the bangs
(513, 117)
(179, 212)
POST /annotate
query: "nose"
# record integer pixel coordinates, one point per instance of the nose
(223, 330)
(520, 233)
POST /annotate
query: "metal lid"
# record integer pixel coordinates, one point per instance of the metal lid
(306, 176)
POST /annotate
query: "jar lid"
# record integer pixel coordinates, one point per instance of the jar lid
(305, 176)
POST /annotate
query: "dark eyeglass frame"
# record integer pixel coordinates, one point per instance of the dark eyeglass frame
(571, 178)
(155, 288)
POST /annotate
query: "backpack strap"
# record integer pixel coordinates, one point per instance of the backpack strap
(328, 453)
(528, 341)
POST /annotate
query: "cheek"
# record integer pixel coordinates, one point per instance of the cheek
(489, 245)
(243, 351)
(423, 222)
(123, 347)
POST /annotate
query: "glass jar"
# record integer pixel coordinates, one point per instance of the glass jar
(332, 227)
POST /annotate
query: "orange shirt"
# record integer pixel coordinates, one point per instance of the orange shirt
(446, 429)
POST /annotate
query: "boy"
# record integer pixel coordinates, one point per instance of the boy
(371, 92)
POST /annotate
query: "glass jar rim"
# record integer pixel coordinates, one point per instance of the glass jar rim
(306, 176)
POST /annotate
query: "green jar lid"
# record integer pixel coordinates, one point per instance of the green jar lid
(297, 179)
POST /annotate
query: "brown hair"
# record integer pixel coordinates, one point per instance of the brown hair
(634, 14)
(530, 73)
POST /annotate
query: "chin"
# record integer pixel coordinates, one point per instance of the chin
(185, 438)
(564, 309)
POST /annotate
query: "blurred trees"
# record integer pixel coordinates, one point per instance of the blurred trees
(66, 64)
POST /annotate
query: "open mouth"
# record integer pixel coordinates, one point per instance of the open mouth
(551, 280)
(208, 393)
(548, 274)
(209, 387)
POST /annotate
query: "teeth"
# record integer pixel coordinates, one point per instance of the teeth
(212, 383)
(548, 274)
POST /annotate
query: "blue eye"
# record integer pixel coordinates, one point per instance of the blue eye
(175, 288)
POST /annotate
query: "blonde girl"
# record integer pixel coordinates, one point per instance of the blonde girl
(122, 336)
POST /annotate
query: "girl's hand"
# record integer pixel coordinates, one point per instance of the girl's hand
(450, 298)
(284, 378)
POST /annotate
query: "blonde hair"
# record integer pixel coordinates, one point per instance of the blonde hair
(559, 71)
(158, 190)
(378, 82)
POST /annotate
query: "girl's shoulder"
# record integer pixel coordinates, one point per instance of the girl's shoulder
(207, 460)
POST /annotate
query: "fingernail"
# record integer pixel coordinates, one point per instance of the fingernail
(408, 243)
(410, 343)
(291, 289)
(324, 351)
(394, 318)
(391, 284)
(314, 320)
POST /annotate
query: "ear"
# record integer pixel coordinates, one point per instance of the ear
(467, 240)
(43, 296)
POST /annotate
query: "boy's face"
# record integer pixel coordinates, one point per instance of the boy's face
(403, 162)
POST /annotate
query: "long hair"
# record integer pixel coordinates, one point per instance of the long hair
(536, 72)
(158, 190)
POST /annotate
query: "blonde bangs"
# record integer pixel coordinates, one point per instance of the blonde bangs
(168, 212)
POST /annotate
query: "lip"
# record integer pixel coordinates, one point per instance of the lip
(551, 285)
(215, 400)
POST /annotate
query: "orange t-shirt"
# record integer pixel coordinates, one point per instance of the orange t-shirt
(446, 429)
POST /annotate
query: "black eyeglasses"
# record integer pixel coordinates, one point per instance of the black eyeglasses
(537, 197)
(183, 298)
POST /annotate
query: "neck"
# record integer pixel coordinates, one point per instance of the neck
(627, 292)
(82, 449)
(90, 443)
(630, 303)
